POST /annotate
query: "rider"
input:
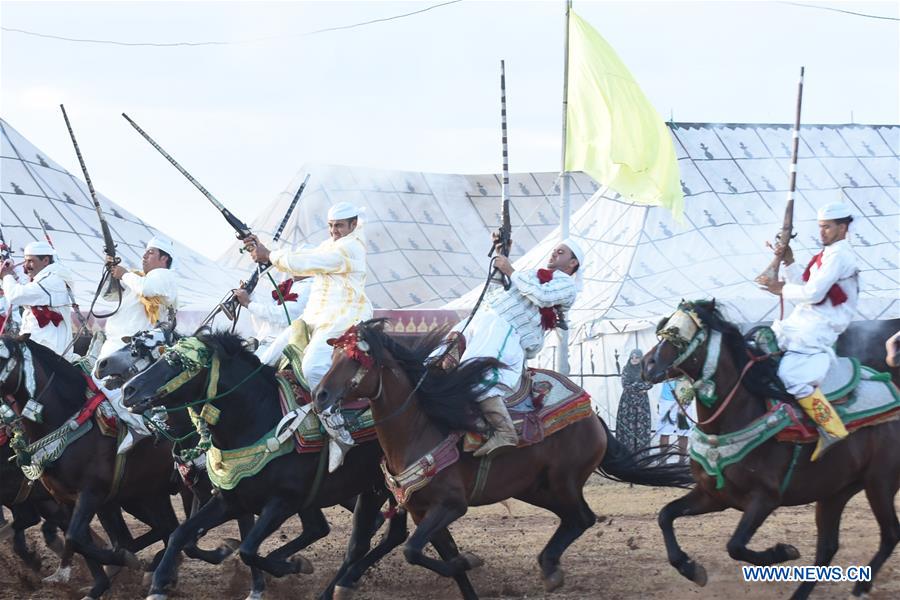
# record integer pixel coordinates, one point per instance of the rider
(48, 310)
(825, 296)
(510, 326)
(149, 297)
(271, 315)
(337, 298)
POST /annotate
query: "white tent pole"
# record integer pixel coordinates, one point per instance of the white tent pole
(562, 357)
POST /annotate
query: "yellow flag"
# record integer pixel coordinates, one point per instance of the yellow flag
(613, 132)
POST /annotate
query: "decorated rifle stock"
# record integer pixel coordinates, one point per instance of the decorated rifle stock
(786, 234)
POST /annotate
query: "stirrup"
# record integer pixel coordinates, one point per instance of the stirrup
(825, 443)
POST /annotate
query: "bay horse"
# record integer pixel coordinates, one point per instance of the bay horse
(83, 477)
(417, 421)
(867, 460)
(248, 410)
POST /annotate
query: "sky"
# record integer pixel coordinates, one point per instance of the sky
(418, 93)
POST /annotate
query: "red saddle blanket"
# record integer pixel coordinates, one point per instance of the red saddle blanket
(310, 436)
(803, 431)
(544, 403)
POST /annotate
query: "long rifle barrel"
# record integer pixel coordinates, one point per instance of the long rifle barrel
(287, 215)
(239, 226)
(109, 245)
(787, 227)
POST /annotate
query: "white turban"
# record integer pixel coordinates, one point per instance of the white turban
(162, 244)
(834, 211)
(343, 210)
(39, 249)
(572, 244)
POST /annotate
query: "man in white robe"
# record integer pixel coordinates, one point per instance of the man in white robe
(337, 298)
(149, 297)
(47, 315)
(510, 326)
(825, 295)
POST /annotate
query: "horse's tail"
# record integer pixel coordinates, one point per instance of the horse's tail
(642, 467)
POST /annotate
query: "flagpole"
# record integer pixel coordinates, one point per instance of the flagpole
(562, 357)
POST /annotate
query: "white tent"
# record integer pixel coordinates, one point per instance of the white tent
(641, 263)
(30, 180)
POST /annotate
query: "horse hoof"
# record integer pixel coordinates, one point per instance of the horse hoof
(89, 598)
(791, 552)
(472, 560)
(6, 531)
(131, 561)
(254, 595)
(699, 575)
(301, 564)
(157, 597)
(230, 544)
(61, 575)
(343, 593)
(553, 581)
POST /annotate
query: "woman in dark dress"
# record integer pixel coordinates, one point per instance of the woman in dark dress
(633, 427)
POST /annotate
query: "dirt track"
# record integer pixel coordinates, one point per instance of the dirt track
(620, 557)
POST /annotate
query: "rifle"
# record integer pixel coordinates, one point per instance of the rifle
(5, 255)
(230, 306)
(109, 246)
(786, 234)
(81, 320)
(503, 242)
(239, 226)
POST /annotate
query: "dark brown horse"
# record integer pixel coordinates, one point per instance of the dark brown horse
(868, 460)
(83, 477)
(413, 420)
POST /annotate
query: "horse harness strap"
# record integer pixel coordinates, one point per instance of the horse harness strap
(481, 478)
(420, 473)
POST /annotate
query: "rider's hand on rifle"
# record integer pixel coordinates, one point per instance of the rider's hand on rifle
(117, 271)
(892, 347)
(782, 251)
(770, 285)
(8, 268)
(258, 252)
(502, 264)
(496, 236)
(242, 297)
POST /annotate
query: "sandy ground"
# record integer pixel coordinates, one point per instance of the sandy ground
(620, 557)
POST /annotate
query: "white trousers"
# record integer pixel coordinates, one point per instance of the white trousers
(490, 336)
(802, 373)
(271, 353)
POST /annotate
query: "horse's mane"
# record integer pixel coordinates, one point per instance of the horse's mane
(66, 376)
(229, 346)
(762, 379)
(449, 398)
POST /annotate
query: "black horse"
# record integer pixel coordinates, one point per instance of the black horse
(247, 411)
(83, 477)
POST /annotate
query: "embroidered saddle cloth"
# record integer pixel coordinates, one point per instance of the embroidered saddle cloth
(544, 403)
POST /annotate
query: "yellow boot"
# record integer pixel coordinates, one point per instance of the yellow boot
(831, 428)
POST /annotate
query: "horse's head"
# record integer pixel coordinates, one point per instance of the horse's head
(352, 374)
(176, 370)
(681, 337)
(140, 351)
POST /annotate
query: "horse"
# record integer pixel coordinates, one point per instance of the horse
(291, 483)
(30, 505)
(418, 409)
(773, 474)
(33, 378)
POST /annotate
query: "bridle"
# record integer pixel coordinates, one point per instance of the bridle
(687, 332)
(24, 362)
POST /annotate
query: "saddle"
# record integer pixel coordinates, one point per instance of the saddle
(544, 402)
(860, 395)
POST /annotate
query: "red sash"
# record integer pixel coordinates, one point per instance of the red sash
(45, 315)
(549, 315)
(835, 293)
(285, 288)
